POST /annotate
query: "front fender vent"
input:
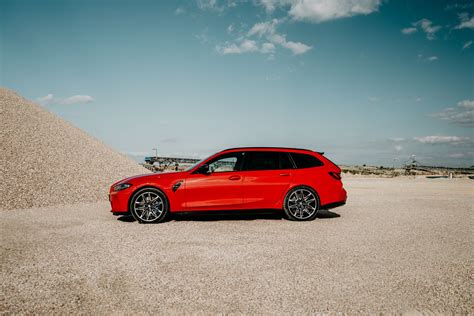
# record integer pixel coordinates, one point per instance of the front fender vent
(177, 185)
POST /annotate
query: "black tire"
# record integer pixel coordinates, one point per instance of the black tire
(145, 210)
(307, 210)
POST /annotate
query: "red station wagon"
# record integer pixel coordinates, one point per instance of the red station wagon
(299, 181)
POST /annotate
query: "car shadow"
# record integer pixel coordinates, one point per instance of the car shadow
(324, 213)
(126, 218)
(231, 216)
(228, 216)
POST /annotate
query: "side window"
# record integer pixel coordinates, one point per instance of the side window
(226, 163)
(305, 161)
(285, 162)
(267, 160)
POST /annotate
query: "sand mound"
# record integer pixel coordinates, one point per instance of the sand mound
(46, 161)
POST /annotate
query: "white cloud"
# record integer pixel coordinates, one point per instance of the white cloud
(467, 45)
(264, 28)
(202, 37)
(208, 5)
(77, 99)
(50, 99)
(47, 99)
(325, 10)
(267, 48)
(398, 147)
(409, 30)
(230, 28)
(465, 22)
(428, 59)
(463, 114)
(271, 5)
(268, 30)
(296, 47)
(454, 140)
(245, 46)
(179, 11)
(318, 11)
(467, 104)
(427, 27)
(215, 5)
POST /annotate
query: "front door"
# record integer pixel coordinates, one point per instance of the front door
(220, 189)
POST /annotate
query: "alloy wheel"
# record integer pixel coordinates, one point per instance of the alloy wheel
(148, 206)
(302, 204)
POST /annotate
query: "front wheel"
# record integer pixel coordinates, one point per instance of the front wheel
(301, 204)
(149, 205)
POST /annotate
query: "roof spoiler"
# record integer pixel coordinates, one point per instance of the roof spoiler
(320, 152)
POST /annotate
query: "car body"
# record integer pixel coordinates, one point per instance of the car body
(245, 178)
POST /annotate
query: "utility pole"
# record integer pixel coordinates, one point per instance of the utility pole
(156, 152)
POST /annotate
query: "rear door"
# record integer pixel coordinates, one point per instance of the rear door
(267, 177)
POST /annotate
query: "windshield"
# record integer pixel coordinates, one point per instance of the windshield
(197, 163)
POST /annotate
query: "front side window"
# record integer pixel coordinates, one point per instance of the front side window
(267, 160)
(305, 161)
(226, 163)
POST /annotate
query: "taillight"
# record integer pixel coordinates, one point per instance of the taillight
(335, 175)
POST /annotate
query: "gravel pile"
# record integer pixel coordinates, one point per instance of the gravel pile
(46, 161)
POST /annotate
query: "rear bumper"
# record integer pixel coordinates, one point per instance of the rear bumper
(336, 200)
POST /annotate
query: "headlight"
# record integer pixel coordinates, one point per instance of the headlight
(121, 186)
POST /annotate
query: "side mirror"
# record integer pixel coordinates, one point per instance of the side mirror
(203, 169)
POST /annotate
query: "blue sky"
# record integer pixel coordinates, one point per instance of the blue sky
(365, 81)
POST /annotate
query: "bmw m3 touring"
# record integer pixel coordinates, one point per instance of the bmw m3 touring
(297, 181)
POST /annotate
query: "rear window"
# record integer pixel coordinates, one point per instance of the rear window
(305, 161)
(267, 160)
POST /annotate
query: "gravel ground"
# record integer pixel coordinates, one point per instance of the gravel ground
(399, 245)
(47, 161)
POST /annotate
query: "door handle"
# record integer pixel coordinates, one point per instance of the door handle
(234, 178)
(284, 174)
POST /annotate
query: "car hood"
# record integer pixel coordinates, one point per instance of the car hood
(152, 176)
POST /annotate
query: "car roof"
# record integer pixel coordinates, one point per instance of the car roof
(272, 148)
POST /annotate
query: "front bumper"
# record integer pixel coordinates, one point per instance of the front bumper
(119, 201)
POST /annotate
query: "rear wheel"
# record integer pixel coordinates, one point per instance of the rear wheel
(149, 205)
(301, 204)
